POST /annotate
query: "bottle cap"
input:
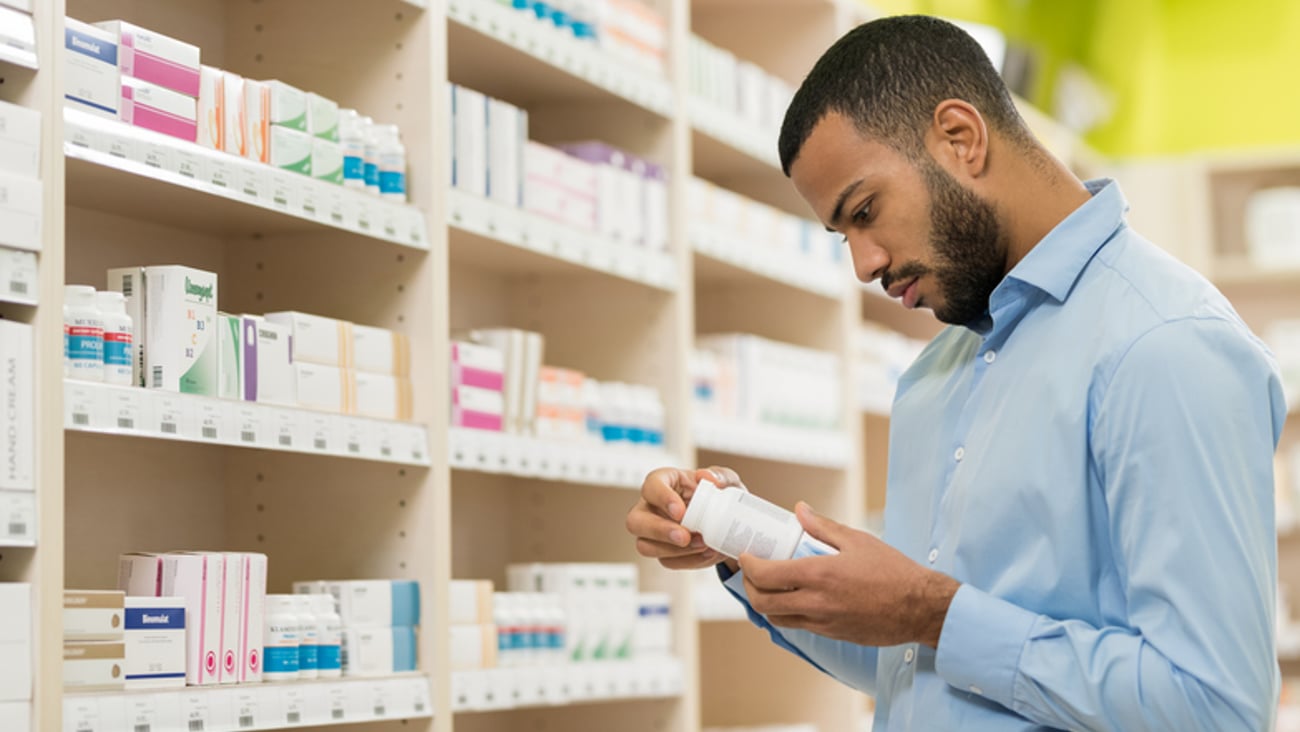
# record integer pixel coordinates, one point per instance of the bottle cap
(693, 519)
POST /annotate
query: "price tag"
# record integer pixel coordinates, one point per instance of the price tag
(80, 405)
(337, 703)
(601, 258)
(174, 415)
(388, 223)
(167, 713)
(141, 714)
(247, 708)
(85, 138)
(286, 429)
(158, 157)
(319, 433)
(221, 174)
(126, 148)
(188, 164)
(336, 211)
(284, 191)
(365, 217)
(250, 420)
(212, 421)
(381, 443)
(293, 706)
(461, 691)
(17, 517)
(380, 706)
(254, 182)
(415, 229)
(126, 409)
(270, 706)
(418, 692)
(418, 439)
(81, 714)
(196, 716)
(352, 430)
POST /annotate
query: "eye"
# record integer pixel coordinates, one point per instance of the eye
(863, 215)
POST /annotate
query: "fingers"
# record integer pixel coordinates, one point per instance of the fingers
(719, 476)
(664, 489)
(644, 522)
(775, 576)
(661, 550)
(702, 560)
(822, 528)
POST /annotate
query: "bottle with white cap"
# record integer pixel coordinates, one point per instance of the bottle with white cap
(118, 338)
(733, 521)
(309, 640)
(329, 660)
(83, 334)
(282, 639)
(392, 163)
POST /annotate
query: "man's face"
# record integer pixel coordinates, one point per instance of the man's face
(930, 241)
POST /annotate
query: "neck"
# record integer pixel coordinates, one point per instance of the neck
(1038, 194)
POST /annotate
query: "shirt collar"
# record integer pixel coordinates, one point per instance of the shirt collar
(1056, 262)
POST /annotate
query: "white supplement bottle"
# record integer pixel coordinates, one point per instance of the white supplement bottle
(392, 163)
(371, 133)
(734, 522)
(304, 607)
(119, 341)
(283, 636)
(83, 334)
(352, 135)
(329, 644)
(509, 641)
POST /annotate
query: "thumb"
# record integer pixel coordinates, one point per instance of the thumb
(821, 528)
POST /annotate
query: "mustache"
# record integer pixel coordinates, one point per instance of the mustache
(908, 271)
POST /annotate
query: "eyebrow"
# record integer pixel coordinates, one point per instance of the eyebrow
(839, 202)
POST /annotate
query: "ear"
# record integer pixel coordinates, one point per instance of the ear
(958, 138)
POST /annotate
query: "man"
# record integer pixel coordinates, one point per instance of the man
(1079, 524)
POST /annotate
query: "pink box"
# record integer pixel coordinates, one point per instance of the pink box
(152, 107)
(478, 366)
(480, 409)
(156, 58)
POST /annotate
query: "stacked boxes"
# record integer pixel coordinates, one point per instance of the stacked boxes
(758, 231)
(521, 352)
(380, 620)
(21, 195)
(739, 87)
(628, 30)
(560, 187)
(754, 380)
(478, 386)
(94, 640)
(174, 310)
(473, 642)
(159, 80)
(16, 649)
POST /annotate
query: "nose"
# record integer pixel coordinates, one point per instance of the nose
(870, 260)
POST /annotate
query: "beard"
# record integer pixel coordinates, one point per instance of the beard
(968, 246)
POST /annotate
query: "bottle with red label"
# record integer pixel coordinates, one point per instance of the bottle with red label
(83, 334)
(119, 341)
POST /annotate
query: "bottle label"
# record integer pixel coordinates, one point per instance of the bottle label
(280, 660)
(537, 639)
(308, 658)
(372, 174)
(354, 167)
(117, 348)
(329, 658)
(84, 343)
(392, 181)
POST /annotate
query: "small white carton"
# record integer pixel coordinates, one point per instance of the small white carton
(326, 388)
(15, 641)
(288, 106)
(155, 642)
(269, 376)
(380, 351)
(322, 117)
(93, 615)
(290, 150)
(20, 211)
(20, 140)
(252, 619)
(92, 81)
(94, 666)
(382, 396)
(317, 339)
(180, 314)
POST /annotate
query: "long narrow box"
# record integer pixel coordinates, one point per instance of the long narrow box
(93, 615)
(234, 110)
(153, 57)
(152, 107)
(232, 621)
(15, 641)
(317, 339)
(470, 602)
(92, 80)
(211, 109)
(230, 356)
(20, 211)
(257, 121)
(269, 376)
(468, 140)
(198, 579)
(155, 642)
(17, 418)
(363, 603)
(253, 616)
(507, 132)
(378, 651)
(20, 140)
(94, 666)
(322, 117)
(380, 351)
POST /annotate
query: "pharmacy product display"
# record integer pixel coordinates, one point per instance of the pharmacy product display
(738, 87)
(499, 384)
(112, 641)
(16, 648)
(375, 623)
(187, 345)
(756, 380)
(628, 30)
(21, 194)
(881, 355)
(148, 80)
(733, 521)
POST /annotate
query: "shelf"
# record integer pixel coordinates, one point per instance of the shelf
(721, 258)
(502, 689)
(526, 457)
(150, 413)
(509, 239)
(17, 518)
(495, 50)
(251, 706)
(725, 144)
(814, 447)
(121, 169)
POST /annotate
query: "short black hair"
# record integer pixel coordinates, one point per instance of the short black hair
(888, 76)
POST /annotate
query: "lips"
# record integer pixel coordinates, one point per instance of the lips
(901, 288)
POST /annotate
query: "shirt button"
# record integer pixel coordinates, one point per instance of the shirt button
(934, 554)
(976, 690)
(990, 356)
(908, 655)
(959, 454)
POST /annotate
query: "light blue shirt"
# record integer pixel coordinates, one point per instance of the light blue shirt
(1093, 461)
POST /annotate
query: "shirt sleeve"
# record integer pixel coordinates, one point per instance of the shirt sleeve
(1182, 439)
(850, 664)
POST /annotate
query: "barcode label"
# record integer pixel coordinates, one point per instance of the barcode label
(246, 721)
(419, 706)
(248, 436)
(18, 288)
(125, 423)
(17, 529)
(336, 217)
(286, 441)
(196, 725)
(157, 377)
(380, 710)
(281, 199)
(209, 433)
(319, 443)
(141, 728)
(292, 717)
(81, 420)
(127, 285)
(168, 428)
(386, 451)
(336, 713)
(354, 447)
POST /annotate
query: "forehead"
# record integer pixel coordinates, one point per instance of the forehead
(836, 155)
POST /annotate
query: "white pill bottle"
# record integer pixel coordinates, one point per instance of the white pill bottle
(734, 522)
(282, 640)
(309, 637)
(330, 643)
(118, 343)
(83, 334)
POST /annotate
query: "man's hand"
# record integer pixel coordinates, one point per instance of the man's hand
(869, 594)
(655, 519)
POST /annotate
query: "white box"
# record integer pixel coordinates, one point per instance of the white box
(473, 647)
(155, 58)
(17, 419)
(378, 651)
(268, 362)
(92, 80)
(253, 619)
(23, 5)
(15, 641)
(326, 388)
(230, 356)
(380, 351)
(20, 211)
(288, 106)
(317, 339)
(234, 125)
(20, 140)
(152, 107)
(155, 642)
(140, 574)
(375, 603)
(507, 132)
(212, 108)
(468, 140)
(197, 578)
(16, 716)
(130, 282)
(93, 615)
(381, 396)
(470, 602)
(94, 666)
(257, 121)
(322, 117)
(178, 317)
(327, 161)
(232, 619)
(290, 150)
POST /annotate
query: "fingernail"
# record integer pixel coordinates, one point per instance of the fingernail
(679, 537)
(697, 542)
(718, 477)
(676, 510)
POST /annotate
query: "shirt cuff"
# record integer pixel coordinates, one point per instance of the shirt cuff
(980, 644)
